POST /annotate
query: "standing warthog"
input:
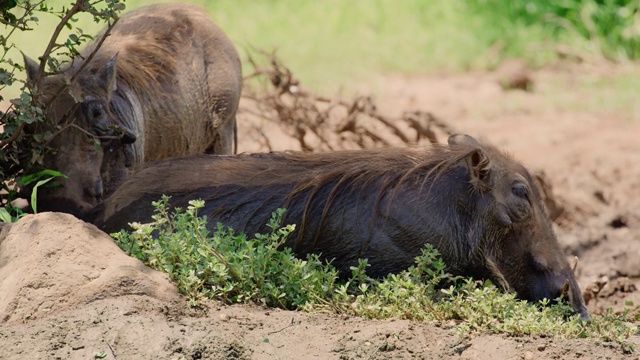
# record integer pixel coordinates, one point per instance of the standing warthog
(165, 83)
(477, 206)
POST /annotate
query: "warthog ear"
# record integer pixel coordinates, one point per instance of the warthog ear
(32, 68)
(478, 162)
(479, 166)
(460, 139)
(107, 76)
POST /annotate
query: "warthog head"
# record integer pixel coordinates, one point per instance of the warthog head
(522, 252)
(84, 136)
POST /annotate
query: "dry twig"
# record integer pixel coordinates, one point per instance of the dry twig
(321, 123)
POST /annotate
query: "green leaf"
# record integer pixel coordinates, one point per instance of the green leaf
(5, 216)
(5, 77)
(31, 178)
(25, 98)
(7, 5)
(34, 193)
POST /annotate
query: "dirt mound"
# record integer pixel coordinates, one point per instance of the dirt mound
(42, 272)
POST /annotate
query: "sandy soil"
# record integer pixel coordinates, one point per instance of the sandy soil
(68, 292)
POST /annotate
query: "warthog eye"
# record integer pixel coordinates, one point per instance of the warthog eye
(519, 190)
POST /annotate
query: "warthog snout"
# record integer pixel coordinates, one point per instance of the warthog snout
(551, 286)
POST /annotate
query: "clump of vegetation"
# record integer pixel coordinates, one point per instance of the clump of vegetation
(236, 268)
(225, 265)
(10, 213)
(607, 28)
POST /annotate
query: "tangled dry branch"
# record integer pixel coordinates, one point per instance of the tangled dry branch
(321, 123)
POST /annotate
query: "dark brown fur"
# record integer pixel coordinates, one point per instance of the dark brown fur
(165, 83)
(476, 205)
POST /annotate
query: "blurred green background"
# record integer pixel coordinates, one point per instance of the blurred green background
(330, 44)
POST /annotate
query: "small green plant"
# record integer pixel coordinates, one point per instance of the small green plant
(7, 217)
(39, 179)
(225, 265)
(235, 268)
(10, 213)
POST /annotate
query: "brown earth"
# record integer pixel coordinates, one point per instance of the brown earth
(68, 292)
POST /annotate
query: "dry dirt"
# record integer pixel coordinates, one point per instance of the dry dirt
(68, 292)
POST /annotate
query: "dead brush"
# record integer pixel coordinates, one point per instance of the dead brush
(273, 95)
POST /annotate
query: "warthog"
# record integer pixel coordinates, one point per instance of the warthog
(476, 205)
(165, 83)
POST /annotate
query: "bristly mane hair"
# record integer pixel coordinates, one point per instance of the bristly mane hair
(348, 167)
(334, 174)
(146, 63)
(377, 171)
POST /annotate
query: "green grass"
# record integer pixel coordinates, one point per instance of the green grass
(236, 268)
(334, 43)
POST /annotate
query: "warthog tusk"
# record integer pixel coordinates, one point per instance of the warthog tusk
(502, 282)
(565, 288)
(574, 264)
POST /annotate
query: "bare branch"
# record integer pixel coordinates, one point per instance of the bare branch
(76, 8)
(319, 122)
(95, 49)
(13, 137)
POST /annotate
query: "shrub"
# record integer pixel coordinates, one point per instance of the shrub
(225, 265)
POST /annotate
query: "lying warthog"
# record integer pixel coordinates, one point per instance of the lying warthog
(477, 206)
(165, 83)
